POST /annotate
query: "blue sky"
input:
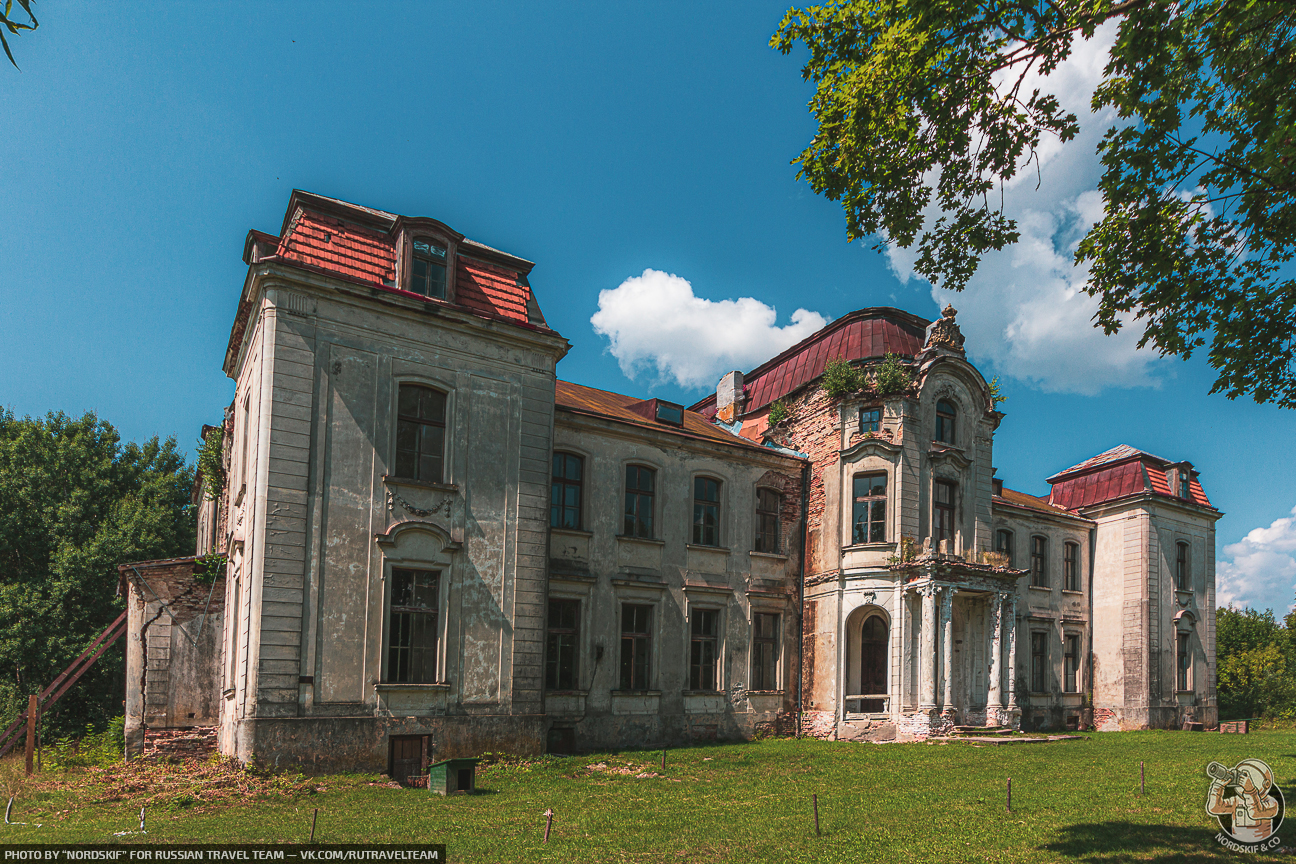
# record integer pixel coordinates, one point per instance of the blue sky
(140, 144)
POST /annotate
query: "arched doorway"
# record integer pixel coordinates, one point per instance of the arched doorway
(873, 663)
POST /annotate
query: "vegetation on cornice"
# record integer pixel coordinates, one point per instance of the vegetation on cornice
(211, 463)
(887, 378)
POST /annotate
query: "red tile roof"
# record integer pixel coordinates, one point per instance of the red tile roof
(340, 247)
(1117, 473)
(580, 399)
(861, 335)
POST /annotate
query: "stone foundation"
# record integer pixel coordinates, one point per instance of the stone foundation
(197, 742)
(819, 724)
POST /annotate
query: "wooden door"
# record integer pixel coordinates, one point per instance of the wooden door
(406, 758)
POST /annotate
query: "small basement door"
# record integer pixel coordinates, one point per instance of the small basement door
(408, 758)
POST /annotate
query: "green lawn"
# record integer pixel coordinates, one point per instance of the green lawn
(743, 802)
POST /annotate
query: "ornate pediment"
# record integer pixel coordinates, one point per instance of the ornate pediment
(944, 333)
(876, 446)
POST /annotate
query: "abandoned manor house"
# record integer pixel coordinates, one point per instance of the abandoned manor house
(423, 544)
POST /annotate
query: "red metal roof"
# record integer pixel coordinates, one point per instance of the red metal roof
(1117, 473)
(1031, 502)
(865, 334)
(341, 247)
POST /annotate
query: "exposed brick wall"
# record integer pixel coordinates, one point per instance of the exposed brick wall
(198, 742)
(819, 724)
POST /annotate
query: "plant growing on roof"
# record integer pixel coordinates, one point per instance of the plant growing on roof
(891, 376)
(210, 567)
(778, 412)
(996, 395)
(840, 378)
(211, 464)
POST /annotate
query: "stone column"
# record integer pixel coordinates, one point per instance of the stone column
(995, 700)
(947, 648)
(927, 650)
(1011, 610)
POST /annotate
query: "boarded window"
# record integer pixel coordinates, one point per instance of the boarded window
(565, 491)
(420, 434)
(636, 646)
(768, 504)
(868, 512)
(639, 501)
(412, 627)
(703, 650)
(765, 651)
(562, 645)
(706, 511)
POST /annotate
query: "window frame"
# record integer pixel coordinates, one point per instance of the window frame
(939, 507)
(441, 236)
(865, 424)
(945, 426)
(554, 683)
(866, 504)
(1039, 661)
(700, 666)
(1183, 661)
(1000, 534)
(389, 675)
(564, 483)
(639, 497)
(1071, 566)
(1039, 553)
(415, 257)
(1183, 566)
(1070, 662)
(698, 533)
(768, 538)
(638, 681)
(766, 678)
(444, 425)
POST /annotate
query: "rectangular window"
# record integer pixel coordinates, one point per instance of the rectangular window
(639, 502)
(870, 419)
(420, 433)
(1039, 562)
(561, 645)
(1039, 662)
(636, 646)
(1004, 544)
(1071, 657)
(943, 512)
(1183, 578)
(1071, 566)
(706, 512)
(428, 269)
(768, 504)
(247, 439)
(1183, 680)
(565, 492)
(703, 651)
(869, 511)
(412, 627)
(765, 651)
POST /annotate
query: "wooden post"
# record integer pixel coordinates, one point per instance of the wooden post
(313, 818)
(1142, 780)
(548, 823)
(815, 799)
(32, 706)
(663, 758)
(1009, 799)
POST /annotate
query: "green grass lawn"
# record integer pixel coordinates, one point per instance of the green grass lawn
(743, 802)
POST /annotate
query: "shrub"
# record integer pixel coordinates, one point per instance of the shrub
(996, 395)
(840, 378)
(778, 412)
(891, 376)
(211, 464)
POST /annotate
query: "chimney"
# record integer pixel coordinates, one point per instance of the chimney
(729, 397)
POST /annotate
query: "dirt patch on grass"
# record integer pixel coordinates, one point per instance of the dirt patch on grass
(180, 784)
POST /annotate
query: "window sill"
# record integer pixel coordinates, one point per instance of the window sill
(1184, 593)
(1038, 695)
(412, 688)
(869, 547)
(773, 556)
(238, 499)
(1072, 591)
(1187, 693)
(703, 692)
(566, 692)
(574, 532)
(627, 538)
(228, 694)
(1046, 589)
(698, 547)
(764, 692)
(421, 484)
(634, 693)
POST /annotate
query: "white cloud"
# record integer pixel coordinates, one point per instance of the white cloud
(1262, 573)
(1025, 309)
(656, 322)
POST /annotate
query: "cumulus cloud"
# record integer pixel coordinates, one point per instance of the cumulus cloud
(1262, 573)
(656, 324)
(1025, 309)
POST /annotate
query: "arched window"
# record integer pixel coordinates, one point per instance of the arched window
(1183, 576)
(945, 414)
(420, 433)
(1071, 566)
(873, 663)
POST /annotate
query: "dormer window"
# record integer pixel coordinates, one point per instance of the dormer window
(944, 422)
(668, 413)
(428, 269)
(1185, 484)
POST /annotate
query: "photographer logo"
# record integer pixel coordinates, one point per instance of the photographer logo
(1247, 805)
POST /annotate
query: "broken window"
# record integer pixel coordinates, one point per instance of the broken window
(1039, 562)
(1071, 566)
(945, 414)
(703, 653)
(639, 501)
(869, 509)
(1183, 578)
(706, 511)
(1004, 544)
(765, 651)
(636, 646)
(870, 419)
(561, 645)
(428, 269)
(1039, 662)
(412, 627)
(1071, 663)
(1183, 678)
(420, 433)
(873, 663)
(943, 512)
(768, 504)
(565, 492)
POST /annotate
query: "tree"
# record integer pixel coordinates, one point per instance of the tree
(925, 103)
(1257, 672)
(75, 503)
(10, 22)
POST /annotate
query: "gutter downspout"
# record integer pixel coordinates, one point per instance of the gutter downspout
(805, 548)
(1089, 655)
